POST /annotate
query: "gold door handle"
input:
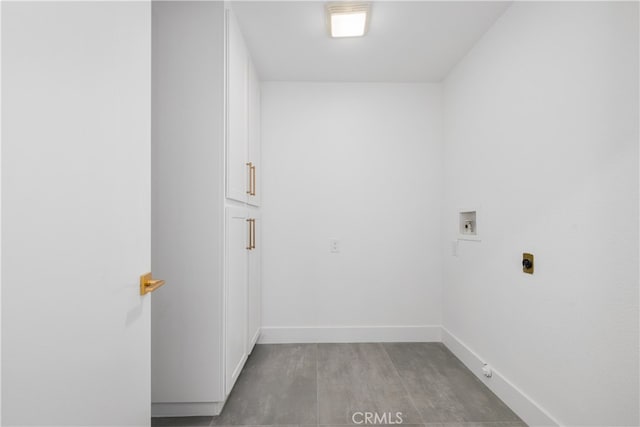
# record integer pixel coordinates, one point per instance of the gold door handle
(149, 284)
(250, 246)
(250, 190)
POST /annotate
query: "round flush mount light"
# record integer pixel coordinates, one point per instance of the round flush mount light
(348, 19)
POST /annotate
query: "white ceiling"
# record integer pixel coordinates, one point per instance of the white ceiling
(415, 41)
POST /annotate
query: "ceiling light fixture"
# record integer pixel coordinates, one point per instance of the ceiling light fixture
(348, 19)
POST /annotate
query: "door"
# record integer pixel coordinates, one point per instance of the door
(238, 243)
(75, 213)
(254, 151)
(238, 169)
(254, 285)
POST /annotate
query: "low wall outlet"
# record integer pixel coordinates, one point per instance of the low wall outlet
(334, 246)
(487, 371)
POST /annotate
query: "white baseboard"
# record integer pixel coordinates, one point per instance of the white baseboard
(341, 334)
(186, 409)
(254, 340)
(526, 408)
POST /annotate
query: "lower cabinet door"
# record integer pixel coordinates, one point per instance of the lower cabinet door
(236, 294)
(254, 285)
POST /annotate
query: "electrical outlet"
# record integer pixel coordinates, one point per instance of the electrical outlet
(334, 246)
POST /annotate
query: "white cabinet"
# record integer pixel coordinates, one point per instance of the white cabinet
(243, 295)
(206, 226)
(242, 263)
(254, 153)
(237, 163)
(239, 230)
(243, 167)
(254, 285)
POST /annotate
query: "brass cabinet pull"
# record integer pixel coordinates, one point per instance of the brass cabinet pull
(253, 180)
(249, 221)
(149, 284)
(250, 190)
(253, 233)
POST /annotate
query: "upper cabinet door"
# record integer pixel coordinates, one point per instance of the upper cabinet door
(254, 136)
(238, 170)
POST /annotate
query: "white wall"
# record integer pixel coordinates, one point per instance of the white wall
(361, 163)
(187, 211)
(76, 213)
(541, 134)
(0, 218)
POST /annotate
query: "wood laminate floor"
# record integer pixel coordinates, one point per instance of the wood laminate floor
(418, 384)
